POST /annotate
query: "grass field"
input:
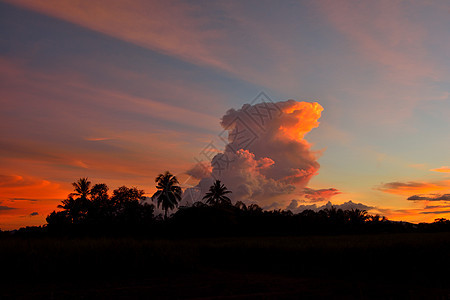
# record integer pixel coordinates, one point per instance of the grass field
(411, 266)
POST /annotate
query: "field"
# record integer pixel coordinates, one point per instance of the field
(409, 265)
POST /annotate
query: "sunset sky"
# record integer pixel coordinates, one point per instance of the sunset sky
(120, 91)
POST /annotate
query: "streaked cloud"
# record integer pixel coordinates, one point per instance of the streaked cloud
(2, 207)
(98, 139)
(416, 187)
(438, 212)
(430, 197)
(444, 169)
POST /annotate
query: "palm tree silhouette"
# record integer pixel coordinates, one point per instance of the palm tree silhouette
(78, 208)
(216, 194)
(357, 216)
(72, 208)
(82, 187)
(168, 194)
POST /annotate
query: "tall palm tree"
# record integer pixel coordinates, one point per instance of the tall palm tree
(168, 194)
(78, 208)
(216, 194)
(82, 187)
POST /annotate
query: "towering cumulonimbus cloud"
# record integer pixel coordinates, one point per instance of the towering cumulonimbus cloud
(266, 154)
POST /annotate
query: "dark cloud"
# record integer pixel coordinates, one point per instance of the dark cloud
(396, 185)
(2, 207)
(430, 197)
(34, 214)
(23, 199)
(435, 212)
(293, 205)
(436, 206)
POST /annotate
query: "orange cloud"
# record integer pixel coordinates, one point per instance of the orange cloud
(414, 187)
(301, 118)
(443, 169)
(265, 156)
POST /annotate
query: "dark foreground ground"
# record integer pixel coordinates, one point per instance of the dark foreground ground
(384, 266)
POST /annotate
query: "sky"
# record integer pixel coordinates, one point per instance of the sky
(120, 91)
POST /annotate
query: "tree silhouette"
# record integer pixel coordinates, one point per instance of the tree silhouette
(99, 192)
(254, 208)
(82, 187)
(72, 209)
(216, 194)
(76, 209)
(168, 194)
(101, 208)
(124, 210)
(240, 205)
(92, 209)
(128, 209)
(357, 216)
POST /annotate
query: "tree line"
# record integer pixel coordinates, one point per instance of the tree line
(91, 208)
